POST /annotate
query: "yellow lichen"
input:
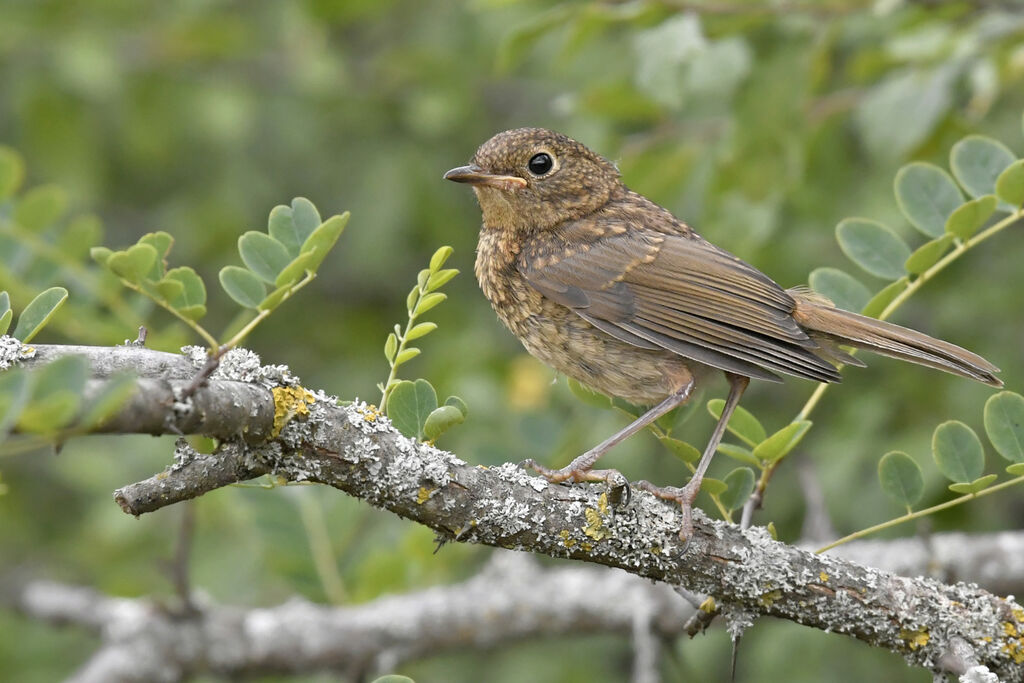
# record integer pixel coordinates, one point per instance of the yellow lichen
(708, 605)
(595, 527)
(567, 540)
(423, 495)
(289, 402)
(823, 577)
(769, 598)
(915, 638)
(1014, 645)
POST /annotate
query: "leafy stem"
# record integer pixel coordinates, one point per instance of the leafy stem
(242, 333)
(921, 513)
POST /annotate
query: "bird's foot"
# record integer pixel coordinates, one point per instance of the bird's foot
(619, 489)
(684, 497)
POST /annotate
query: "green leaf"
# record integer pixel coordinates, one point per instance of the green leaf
(977, 162)
(957, 451)
(439, 257)
(281, 227)
(409, 405)
(192, 301)
(323, 238)
(38, 313)
(742, 422)
(422, 277)
(740, 453)
(412, 299)
(263, 255)
(15, 392)
(420, 330)
(841, 288)
(295, 269)
(740, 483)
(116, 390)
(159, 240)
(873, 247)
(927, 196)
(925, 256)
(973, 487)
(457, 402)
(680, 449)
(1016, 469)
(391, 347)
(441, 420)
(5, 321)
(440, 278)
(100, 255)
(305, 218)
(169, 288)
(428, 301)
(12, 172)
(243, 286)
(56, 394)
(782, 442)
(80, 234)
(407, 355)
(41, 207)
(966, 220)
(133, 264)
(880, 301)
(1004, 424)
(713, 487)
(901, 478)
(1010, 184)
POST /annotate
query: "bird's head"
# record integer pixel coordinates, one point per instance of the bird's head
(531, 179)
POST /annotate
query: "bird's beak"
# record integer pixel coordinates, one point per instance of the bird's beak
(474, 175)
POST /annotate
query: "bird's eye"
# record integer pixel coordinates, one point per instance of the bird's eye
(540, 164)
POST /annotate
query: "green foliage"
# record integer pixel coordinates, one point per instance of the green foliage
(742, 423)
(957, 451)
(739, 485)
(35, 316)
(901, 478)
(977, 161)
(1004, 424)
(287, 257)
(927, 196)
(872, 246)
(841, 288)
(412, 406)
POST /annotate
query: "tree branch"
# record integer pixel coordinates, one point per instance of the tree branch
(354, 448)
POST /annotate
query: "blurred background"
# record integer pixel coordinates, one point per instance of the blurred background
(761, 124)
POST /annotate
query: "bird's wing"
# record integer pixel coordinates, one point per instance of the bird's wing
(672, 289)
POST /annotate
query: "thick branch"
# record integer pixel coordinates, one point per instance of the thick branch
(355, 449)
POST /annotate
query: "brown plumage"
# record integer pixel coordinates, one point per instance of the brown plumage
(614, 291)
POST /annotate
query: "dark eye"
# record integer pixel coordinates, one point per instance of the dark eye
(540, 164)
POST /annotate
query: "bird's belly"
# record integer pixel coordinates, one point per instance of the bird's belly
(568, 343)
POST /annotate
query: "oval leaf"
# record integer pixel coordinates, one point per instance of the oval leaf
(1004, 424)
(12, 172)
(457, 402)
(966, 220)
(193, 290)
(974, 486)
(38, 313)
(409, 405)
(957, 451)
(713, 487)
(428, 301)
(305, 218)
(977, 162)
(1016, 469)
(440, 278)
(925, 256)
(880, 301)
(927, 196)
(323, 238)
(841, 288)
(873, 247)
(243, 286)
(134, 263)
(420, 330)
(680, 449)
(1010, 184)
(281, 227)
(782, 442)
(740, 453)
(295, 269)
(263, 255)
(441, 420)
(742, 423)
(901, 478)
(740, 484)
(439, 258)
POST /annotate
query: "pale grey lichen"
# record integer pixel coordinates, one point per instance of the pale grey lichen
(12, 351)
(242, 365)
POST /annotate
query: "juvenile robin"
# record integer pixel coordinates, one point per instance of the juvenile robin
(611, 289)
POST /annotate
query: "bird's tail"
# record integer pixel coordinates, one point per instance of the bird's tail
(832, 326)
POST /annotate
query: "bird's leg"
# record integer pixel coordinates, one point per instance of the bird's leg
(581, 469)
(687, 494)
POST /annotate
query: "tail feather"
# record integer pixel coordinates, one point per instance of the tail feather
(825, 322)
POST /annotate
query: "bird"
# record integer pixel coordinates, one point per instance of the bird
(612, 290)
